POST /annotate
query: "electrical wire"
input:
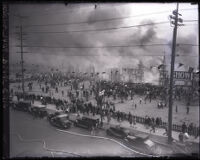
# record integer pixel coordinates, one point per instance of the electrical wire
(96, 21)
(104, 29)
(112, 46)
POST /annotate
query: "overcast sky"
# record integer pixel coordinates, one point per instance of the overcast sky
(56, 16)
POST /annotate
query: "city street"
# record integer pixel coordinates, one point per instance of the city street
(36, 131)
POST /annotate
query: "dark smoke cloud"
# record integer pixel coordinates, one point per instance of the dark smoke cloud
(101, 14)
(188, 51)
(104, 58)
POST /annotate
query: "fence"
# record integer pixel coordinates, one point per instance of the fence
(175, 127)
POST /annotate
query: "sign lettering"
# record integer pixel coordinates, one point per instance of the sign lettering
(182, 75)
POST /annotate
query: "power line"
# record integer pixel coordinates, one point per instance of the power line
(95, 21)
(86, 22)
(105, 29)
(193, 20)
(86, 47)
(187, 44)
(110, 55)
(185, 25)
(112, 46)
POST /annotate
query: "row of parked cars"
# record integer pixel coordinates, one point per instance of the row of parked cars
(58, 119)
(26, 106)
(65, 121)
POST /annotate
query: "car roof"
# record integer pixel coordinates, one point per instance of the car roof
(149, 142)
(39, 106)
(141, 135)
(62, 115)
(88, 117)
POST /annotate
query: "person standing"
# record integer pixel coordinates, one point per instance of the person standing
(108, 118)
(184, 127)
(134, 121)
(188, 109)
(152, 127)
(176, 109)
(140, 100)
(166, 131)
(92, 130)
(131, 120)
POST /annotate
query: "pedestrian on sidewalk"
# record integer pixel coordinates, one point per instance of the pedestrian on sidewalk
(134, 121)
(184, 127)
(108, 118)
(153, 128)
(135, 106)
(188, 109)
(131, 120)
(92, 130)
(176, 109)
(118, 116)
(129, 116)
(166, 131)
(140, 100)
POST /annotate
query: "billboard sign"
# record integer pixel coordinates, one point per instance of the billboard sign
(180, 75)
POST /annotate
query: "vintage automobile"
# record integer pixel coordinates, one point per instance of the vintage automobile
(22, 105)
(137, 137)
(87, 122)
(60, 121)
(118, 132)
(142, 142)
(38, 110)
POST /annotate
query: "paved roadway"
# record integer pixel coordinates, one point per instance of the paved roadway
(27, 136)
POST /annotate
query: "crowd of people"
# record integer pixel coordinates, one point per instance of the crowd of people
(78, 98)
(108, 111)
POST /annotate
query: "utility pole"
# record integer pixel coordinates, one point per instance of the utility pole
(22, 59)
(175, 23)
(22, 53)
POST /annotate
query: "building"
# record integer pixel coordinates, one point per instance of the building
(134, 75)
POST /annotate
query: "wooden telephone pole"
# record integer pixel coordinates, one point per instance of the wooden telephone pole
(22, 52)
(175, 23)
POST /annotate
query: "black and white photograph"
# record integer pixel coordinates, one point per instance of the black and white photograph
(103, 79)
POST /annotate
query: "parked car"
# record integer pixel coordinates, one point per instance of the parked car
(87, 122)
(118, 132)
(38, 110)
(60, 121)
(22, 105)
(142, 142)
(139, 137)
